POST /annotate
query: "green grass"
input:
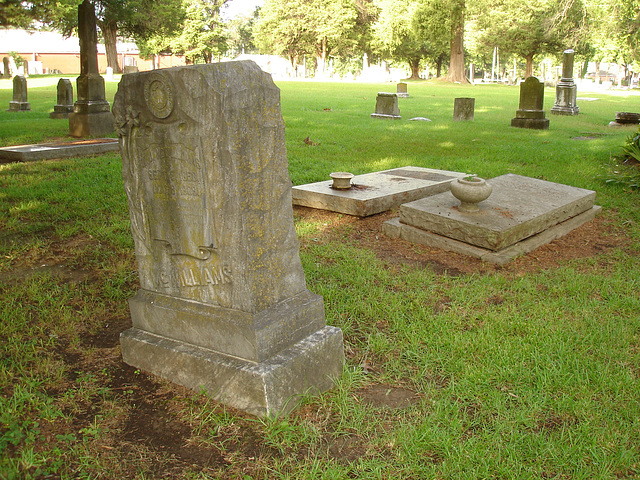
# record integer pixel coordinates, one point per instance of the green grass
(516, 376)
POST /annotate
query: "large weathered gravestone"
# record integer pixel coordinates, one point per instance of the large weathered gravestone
(19, 102)
(64, 105)
(530, 113)
(91, 113)
(566, 90)
(464, 109)
(387, 106)
(224, 304)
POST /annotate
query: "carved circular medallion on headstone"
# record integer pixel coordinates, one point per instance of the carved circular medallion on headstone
(158, 94)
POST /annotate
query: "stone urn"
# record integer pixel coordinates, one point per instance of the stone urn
(470, 191)
(341, 180)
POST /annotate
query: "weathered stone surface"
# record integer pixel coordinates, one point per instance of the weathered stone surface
(91, 113)
(394, 229)
(205, 170)
(269, 388)
(43, 151)
(376, 192)
(64, 105)
(464, 109)
(19, 102)
(566, 90)
(387, 106)
(530, 113)
(518, 208)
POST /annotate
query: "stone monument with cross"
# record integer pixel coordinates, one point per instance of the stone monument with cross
(566, 90)
(530, 113)
(19, 102)
(223, 304)
(91, 113)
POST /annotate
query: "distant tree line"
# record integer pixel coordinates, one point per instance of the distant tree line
(444, 34)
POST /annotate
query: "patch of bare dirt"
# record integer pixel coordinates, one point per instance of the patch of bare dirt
(591, 239)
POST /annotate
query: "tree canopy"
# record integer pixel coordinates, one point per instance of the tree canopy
(410, 32)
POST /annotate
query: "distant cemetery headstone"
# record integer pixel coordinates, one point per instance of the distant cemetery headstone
(401, 90)
(530, 113)
(464, 108)
(64, 105)
(223, 303)
(91, 113)
(387, 106)
(109, 74)
(566, 90)
(627, 118)
(130, 69)
(19, 102)
(6, 72)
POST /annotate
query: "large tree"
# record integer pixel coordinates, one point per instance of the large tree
(293, 28)
(530, 27)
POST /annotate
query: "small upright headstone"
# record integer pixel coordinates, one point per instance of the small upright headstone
(530, 113)
(91, 113)
(64, 105)
(401, 90)
(223, 304)
(19, 102)
(387, 106)
(109, 74)
(566, 90)
(6, 72)
(130, 69)
(464, 108)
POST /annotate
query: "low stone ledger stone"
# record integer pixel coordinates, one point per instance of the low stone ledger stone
(19, 102)
(223, 304)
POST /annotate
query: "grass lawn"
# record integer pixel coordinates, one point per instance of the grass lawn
(528, 372)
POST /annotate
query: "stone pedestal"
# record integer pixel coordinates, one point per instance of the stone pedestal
(64, 105)
(463, 109)
(19, 102)
(566, 90)
(91, 113)
(387, 106)
(530, 113)
(223, 304)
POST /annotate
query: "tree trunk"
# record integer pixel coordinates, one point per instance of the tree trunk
(110, 33)
(528, 71)
(439, 66)
(456, 60)
(414, 65)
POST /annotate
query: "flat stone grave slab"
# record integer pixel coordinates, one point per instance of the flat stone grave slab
(376, 192)
(521, 214)
(45, 151)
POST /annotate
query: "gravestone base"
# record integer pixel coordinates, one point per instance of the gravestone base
(388, 117)
(90, 124)
(566, 96)
(534, 119)
(521, 215)
(19, 106)
(61, 111)
(259, 363)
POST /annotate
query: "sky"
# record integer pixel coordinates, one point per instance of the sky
(234, 8)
